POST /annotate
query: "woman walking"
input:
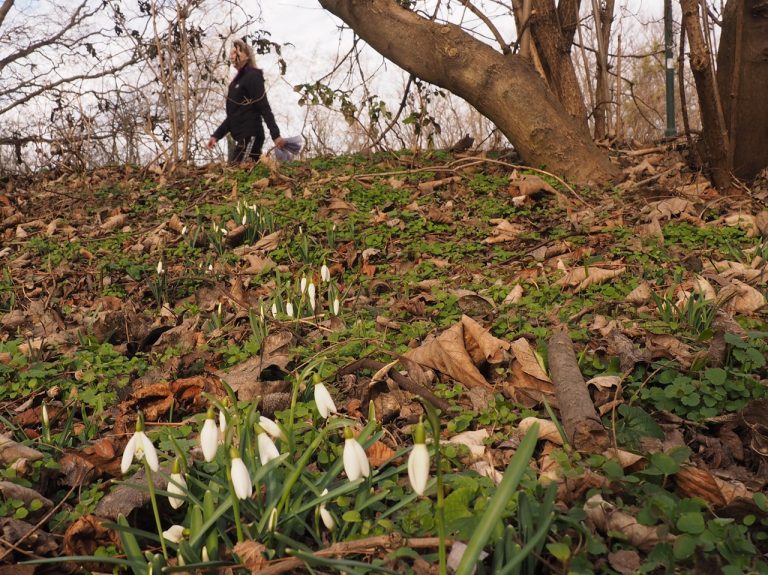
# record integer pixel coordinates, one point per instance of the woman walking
(247, 106)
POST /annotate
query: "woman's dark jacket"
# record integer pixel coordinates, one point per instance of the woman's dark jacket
(247, 105)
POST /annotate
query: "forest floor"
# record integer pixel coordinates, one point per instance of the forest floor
(453, 285)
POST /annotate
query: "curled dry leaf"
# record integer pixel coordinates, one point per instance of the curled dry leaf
(605, 381)
(547, 429)
(581, 278)
(625, 458)
(269, 242)
(668, 208)
(473, 440)
(696, 482)
(379, 453)
(515, 295)
(450, 353)
(660, 345)
(10, 451)
(504, 231)
(113, 222)
(606, 517)
(640, 295)
(742, 298)
(251, 554)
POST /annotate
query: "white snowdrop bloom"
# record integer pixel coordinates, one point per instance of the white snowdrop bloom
(209, 437)
(174, 534)
(356, 463)
(418, 468)
(139, 447)
(325, 273)
(178, 486)
(312, 293)
(222, 422)
(325, 515)
(289, 309)
(303, 284)
(324, 401)
(245, 219)
(241, 479)
(184, 230)
(336, 306)
(267, 448)
(272, 428)
(274, 310)
(160, 268)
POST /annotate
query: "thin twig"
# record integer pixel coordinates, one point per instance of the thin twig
(344, 548)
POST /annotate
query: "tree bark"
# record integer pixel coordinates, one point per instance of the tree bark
(505, 89)
(714, 131)
(552, 30)
(581, 423)
(742, 77)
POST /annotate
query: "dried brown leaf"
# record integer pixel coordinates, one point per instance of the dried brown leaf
(251, 554)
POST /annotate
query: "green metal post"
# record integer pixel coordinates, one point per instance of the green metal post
(669, 65)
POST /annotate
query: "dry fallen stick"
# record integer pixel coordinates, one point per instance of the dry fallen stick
(581, 423)
(343, 548)
(404, 382)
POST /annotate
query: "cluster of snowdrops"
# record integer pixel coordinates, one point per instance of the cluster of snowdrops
(267, 495)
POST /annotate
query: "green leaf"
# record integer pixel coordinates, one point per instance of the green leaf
(692, 523)
(506, 489)
(559, 551)
(684, 547)
(664, 463)
(352, 516)
(716, 375)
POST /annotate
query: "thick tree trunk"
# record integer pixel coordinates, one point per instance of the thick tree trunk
(505, 89)
(713, 125)
(742, 77)
(552, 30)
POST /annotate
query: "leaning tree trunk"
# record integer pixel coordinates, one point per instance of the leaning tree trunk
(505, 89)
(714, 132)
(742, 77)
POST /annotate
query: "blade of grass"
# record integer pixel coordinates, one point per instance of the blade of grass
(512, 476)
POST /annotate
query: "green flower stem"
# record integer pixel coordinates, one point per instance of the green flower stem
(155, 510)
(235, 505)
(434, 423)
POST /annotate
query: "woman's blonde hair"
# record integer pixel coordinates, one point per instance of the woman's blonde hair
(243, 47)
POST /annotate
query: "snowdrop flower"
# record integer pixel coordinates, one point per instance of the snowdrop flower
(267, 449)
(184, 230)
(325, 515)
(312, 292)
(222, 422)
(272, 523)
(209, 437)
(289, 309)
(325, 273)
(177, 485)
(274, 309)
(160, 268)
(303, 284)
(272, 428)
(245, 219)
(418, 461)
(241, 479)
(140, 447)
(324, 401)
(355, 460)
(174, 533)
(336, 306)
(210, 268)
